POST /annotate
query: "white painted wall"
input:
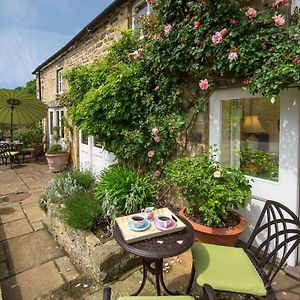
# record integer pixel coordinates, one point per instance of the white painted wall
(286, 190)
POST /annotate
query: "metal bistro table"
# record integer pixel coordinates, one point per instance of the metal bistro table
(154, 250)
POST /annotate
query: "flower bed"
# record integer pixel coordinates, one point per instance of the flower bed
(103, 259)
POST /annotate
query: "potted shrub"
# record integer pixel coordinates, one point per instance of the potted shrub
(56, 156)
(212, 193)
(32, 138)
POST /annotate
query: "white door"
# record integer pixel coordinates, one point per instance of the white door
(92, 156)
(272, 132)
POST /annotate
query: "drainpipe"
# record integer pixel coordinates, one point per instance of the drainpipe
(40, 87)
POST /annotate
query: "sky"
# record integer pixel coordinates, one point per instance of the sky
(33, 30)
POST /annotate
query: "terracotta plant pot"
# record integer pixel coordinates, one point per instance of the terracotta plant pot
(217, 236)
(57, 162)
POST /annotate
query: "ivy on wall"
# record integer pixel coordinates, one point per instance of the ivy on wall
(135, 99)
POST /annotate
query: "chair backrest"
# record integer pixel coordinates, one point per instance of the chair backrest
(278, 229)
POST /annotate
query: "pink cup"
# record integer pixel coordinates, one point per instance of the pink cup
(148, 212)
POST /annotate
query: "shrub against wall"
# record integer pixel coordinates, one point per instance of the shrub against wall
(135, 98)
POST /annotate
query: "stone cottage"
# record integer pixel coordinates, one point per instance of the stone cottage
(235, 116)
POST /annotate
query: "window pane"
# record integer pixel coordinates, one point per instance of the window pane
(62, 131)
(97, 142)
(139, 11)
(57, 118)
(84, 139)
(250, 136)
(51, 122)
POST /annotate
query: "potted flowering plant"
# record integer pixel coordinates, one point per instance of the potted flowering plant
(212, 193)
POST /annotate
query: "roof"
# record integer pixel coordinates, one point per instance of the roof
(79, 35)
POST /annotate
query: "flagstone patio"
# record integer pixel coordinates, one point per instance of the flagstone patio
(32, 266)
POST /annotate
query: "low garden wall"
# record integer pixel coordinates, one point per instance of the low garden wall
(103, 259)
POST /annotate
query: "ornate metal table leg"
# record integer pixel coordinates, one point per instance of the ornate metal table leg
(144, 278)
(158, 270)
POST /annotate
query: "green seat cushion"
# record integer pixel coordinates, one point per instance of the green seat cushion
(157, 298)
(226, 269)
(14, 152)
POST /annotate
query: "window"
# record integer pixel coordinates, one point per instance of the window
(250, 136)
(60, 81)
(84, 138)
(97, 141)
(56, 119)
(140, 8)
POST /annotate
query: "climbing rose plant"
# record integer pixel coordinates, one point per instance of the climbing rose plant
(136, 98)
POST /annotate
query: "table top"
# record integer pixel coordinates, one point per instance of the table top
(160, 247)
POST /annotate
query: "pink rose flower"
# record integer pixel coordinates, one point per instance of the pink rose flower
(203, 84)
(224, 31)
(217, 38)
(155, 131)
(279, 3)
(149, 13)
(296, 59)
(151, 154)
(251, 12)
(196, 24)
(157, 37)
(232, 56)
(233, 21)
(157, 173)
(279, 20)
(136, 54)
(149, 2)
(168, 28)
(157, 138)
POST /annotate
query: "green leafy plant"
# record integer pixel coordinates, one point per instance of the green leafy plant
(80, 210)
(258, 163)
(55, 149)
(124, 188)
(153, 76)
(57, 189)
(84, 179)
(30, 135)
(209, 188)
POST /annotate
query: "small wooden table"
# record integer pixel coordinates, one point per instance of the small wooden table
(154, 250)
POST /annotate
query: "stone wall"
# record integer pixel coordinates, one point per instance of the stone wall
(103, 259)
(90, 47)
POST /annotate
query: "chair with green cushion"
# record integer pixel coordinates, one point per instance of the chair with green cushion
(208, 294)
(8, 153)
(250, 270)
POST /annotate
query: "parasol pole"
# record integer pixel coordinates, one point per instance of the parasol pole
(11, 122)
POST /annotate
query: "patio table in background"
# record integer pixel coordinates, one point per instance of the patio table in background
(154, 250)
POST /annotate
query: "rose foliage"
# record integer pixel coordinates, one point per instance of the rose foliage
(136, 97)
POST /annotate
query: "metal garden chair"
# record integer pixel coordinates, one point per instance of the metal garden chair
(208, 294)
(250, 270)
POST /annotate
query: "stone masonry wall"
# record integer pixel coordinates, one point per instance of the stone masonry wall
(92, 46)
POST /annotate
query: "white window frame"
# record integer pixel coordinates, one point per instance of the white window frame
(285, 190)
(57, 120)
(60, 81)
(138, 5)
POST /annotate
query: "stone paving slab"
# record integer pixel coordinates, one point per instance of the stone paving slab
(33, 212)
(2, 253)
(10, 212)
(31, 250)
(34, 197)
(14, 229)
(32, 283)
(126, 287)
(66, 268)
(38, 226)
